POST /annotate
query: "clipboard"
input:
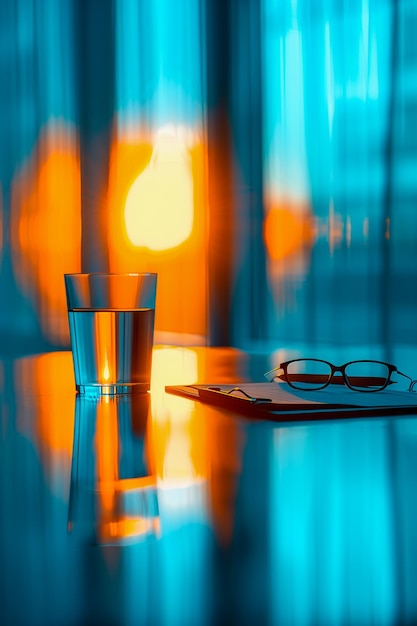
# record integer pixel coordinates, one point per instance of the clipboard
(279, 402)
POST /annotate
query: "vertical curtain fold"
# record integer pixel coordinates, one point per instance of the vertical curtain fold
(94, 47)
(217, 22)
(238, 290)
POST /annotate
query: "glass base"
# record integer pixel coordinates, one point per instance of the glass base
(112, 389)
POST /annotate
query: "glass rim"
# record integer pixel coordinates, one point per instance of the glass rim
(109, 274)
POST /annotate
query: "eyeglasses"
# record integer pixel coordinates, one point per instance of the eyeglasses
(314, 374)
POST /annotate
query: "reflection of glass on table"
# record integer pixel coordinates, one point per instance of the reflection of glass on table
(112, 497)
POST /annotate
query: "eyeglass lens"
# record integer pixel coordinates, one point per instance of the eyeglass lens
(308, 374)
(314, 374)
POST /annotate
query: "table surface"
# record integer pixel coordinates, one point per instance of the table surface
(160, 510)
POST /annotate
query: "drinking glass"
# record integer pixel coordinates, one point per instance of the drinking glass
(111, 320)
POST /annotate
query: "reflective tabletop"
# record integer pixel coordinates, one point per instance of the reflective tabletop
(155, 509)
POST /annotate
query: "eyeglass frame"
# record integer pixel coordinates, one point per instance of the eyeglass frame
(344, 378)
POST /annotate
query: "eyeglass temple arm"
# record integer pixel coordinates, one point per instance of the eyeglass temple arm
(268, 375)
(413, 383)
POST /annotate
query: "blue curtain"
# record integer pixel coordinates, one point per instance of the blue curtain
(339, 128)
(306, 115)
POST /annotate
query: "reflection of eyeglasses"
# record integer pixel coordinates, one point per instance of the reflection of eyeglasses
(314, 374)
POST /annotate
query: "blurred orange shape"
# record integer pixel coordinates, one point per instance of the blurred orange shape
(46, 235)
(286, 231)
(159, 207)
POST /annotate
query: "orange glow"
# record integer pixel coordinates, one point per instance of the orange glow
(171, 366)
(46, 236)
(178, 437)
(191, 444)
(125, 527)
(226, 444)
(106, 373)
(105, 338)
(129, 528)
(112, 522)
(158, 223)
(159, 204)
(48, 379)
(107, 451)
(287, 229)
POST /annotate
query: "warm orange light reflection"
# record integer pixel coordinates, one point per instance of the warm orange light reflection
(195, 451)
(113, 522)
(157, 223)
(287, 229)
(106, 373)
(178, 437)
(159, 206)
(105, 337)
(172, 366)
(226, 445)
(48, 383)
(107, 454)
(46, 234)
(128, 528)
